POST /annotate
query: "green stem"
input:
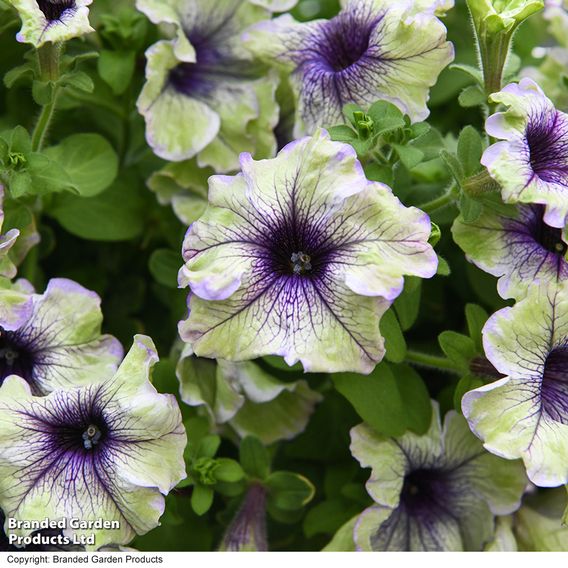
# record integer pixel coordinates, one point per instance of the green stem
(43, 122)
(431, 361)
(48, 57)
(439, 202)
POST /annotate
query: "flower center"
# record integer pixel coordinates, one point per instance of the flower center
(554, 386)
(54, 9)
(15, 357)
(423, 491)
(547, 138)
(91, 436)
(301, 263)
(345, 39)
(548, 237)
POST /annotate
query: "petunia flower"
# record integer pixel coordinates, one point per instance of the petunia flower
(53, 340)
(246, 397)
(106, 451)
(436, 492)
(7, 241)
(299, 256)
(373, 49)
(204, 96)
(540, 531)
(275, 5)
(52, 20)
(519, 248)
(531, 160)
(525, 414)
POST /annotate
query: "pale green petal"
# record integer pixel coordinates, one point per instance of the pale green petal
(202, 383)
(281, 418)
(501, 483)
(504, 539)
(177, 126)
(246, 397)
(37, 30)
(343, 540)
(536, 532)
(276, 5)
(382, 529)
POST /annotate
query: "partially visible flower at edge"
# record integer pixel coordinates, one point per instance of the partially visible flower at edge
(299, 256)
(52, 20)
(246, 397)
(7, 241)
(525, 414)
(531, 160)
(53, 340)
(436, 492)
(373, 49)
(204, 97)
(519, 248)
(109, 450)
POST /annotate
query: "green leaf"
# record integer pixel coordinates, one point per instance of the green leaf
(380, 173)
(328, 516)
(409, 155)
(469, 70)
(458, 348)
(20, 184)
(254, 458)
(395, 344)
(464, 385)
(472, 96)
(342, 133)
(114, 215)
(17, 73)
(470, 208)
(386, 117)
(443, 267)
(407, 305)
(289, 491)
(164, 265)
(77, 80)
(453, 165)
(116, 69)
(228, 470)
(415, 398)
(375, 397)
(476, 317)
(89, 160)
(42, 92)
(48, 176)
(208, 446)
(429, 143)
(201, 499)
(470, 148)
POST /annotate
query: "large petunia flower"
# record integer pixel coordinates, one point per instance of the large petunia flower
(7, 241)
(436, 492)
(52, 20)
(106, 451)
(299, 256)
(531, 161)
(53, 340)
(525, 414)
(204, 96)
(246, 396)
(373, 49)
(518, 248)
